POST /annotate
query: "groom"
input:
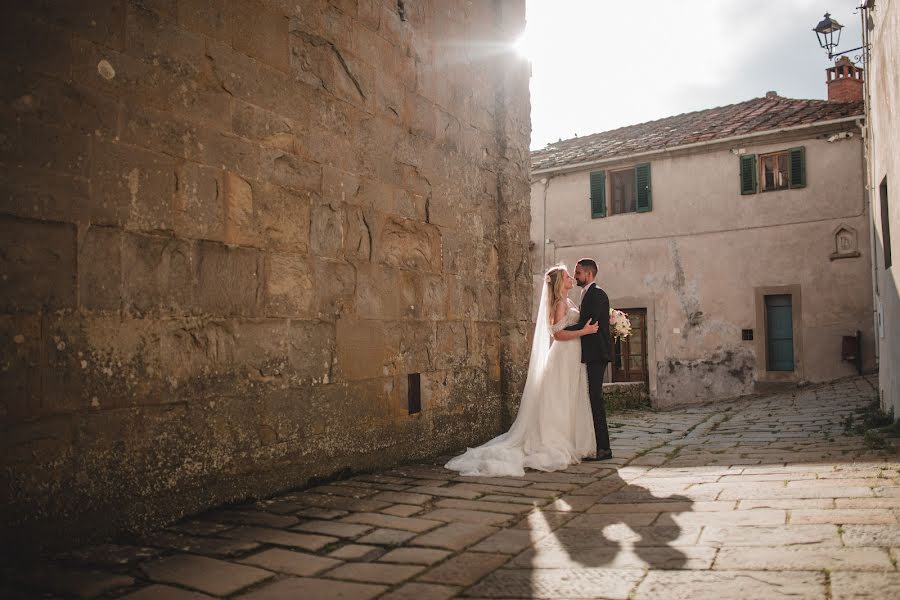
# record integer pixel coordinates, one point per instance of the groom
(594, 348)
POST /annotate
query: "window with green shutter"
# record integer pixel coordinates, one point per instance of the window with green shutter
(798, 167)
(748, 174)
(598, 194)
(644, 200)
(782, 170)
(621, 191)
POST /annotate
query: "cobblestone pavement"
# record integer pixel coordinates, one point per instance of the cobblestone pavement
(767, 498)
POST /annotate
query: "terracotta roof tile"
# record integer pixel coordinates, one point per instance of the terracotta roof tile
(753, 116)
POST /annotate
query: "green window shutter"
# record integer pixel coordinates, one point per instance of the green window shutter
(644, 200)
(748, 174)
(598, 194)
(798, 167)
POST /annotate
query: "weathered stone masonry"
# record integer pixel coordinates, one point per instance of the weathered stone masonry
(231, 230)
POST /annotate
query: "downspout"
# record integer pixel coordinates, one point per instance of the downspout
(545, 181)
(867, 133)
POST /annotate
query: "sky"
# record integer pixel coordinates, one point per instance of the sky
(602, 64)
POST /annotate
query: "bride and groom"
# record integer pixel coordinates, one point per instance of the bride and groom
(562, 418)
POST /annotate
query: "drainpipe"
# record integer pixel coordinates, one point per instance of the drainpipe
(867, 134)
(545, 241)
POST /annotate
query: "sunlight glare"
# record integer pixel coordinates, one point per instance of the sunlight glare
(523, 46)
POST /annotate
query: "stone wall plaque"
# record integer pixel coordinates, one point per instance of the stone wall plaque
(845, 243)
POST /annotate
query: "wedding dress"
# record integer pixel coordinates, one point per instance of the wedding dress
(553, 428)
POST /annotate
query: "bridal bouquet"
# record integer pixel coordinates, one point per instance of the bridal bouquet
(619, 323)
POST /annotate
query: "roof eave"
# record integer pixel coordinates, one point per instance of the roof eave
(684, 147)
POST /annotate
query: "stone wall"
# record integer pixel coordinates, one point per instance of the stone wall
(231, 230)
(883, 86)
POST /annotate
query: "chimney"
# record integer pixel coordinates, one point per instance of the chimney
(845, 81)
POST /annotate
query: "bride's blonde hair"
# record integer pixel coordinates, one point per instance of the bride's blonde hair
(554, 280)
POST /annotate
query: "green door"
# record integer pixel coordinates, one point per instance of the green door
(779, 333)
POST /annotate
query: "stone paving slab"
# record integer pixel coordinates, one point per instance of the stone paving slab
(165, 592)
(734, 585)
(204, 574)
(760, 498)
(290, 563)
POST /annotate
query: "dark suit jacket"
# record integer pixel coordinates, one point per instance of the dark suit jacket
(594, 307)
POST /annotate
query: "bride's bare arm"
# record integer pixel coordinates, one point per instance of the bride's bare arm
(559, 313)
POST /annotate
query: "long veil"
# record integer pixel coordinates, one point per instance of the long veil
(505, 454)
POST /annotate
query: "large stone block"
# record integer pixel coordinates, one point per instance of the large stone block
(358, 239)
(240, 223)
(312, 351)
(452, 345)
(262, 214)
(463, 298)
(417, 346)
(160, 131)
(158, 274)
(197, 349)
(29, 43)
(50, 100)
(411, 295)
(96, 20)
(339, 186)
(290, 171)
(30, 143)
(37, 266)
(63, 374)
(378, 293)
(366, 349)
(408, 244)
(199, 202)
(320, 64)
(230, 152)
(259, 84)
(435, 299)
(335, 288)
(153, 36)
(131, 187)
(36, 194)
(368, 13)
(327, 230)
(100, 269)
(323, 146)
(208, 17)
(227, 280)
(283, 352)
(114, 361)
(20, 366)
(168, 85)
(290, 286)
(260, 32)
(267, 128)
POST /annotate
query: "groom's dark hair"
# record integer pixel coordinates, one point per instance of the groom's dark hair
(589, 264)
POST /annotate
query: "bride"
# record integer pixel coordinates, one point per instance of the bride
(554, 427)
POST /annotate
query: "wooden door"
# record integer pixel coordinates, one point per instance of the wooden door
(779, 333)
(630, 354)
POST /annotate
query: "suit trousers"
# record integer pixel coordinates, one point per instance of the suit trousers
(595, 371)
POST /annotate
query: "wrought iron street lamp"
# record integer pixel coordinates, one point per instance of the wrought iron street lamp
(825, 31)
(828, 31)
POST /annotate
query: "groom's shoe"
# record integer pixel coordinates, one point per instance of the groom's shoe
(601, 455)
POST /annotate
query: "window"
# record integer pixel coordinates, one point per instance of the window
(885, 224)
(773, 172)
(781, 170)
(621, 187)
(629, 190)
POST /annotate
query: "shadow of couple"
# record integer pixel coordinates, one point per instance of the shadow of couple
(597, 540)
